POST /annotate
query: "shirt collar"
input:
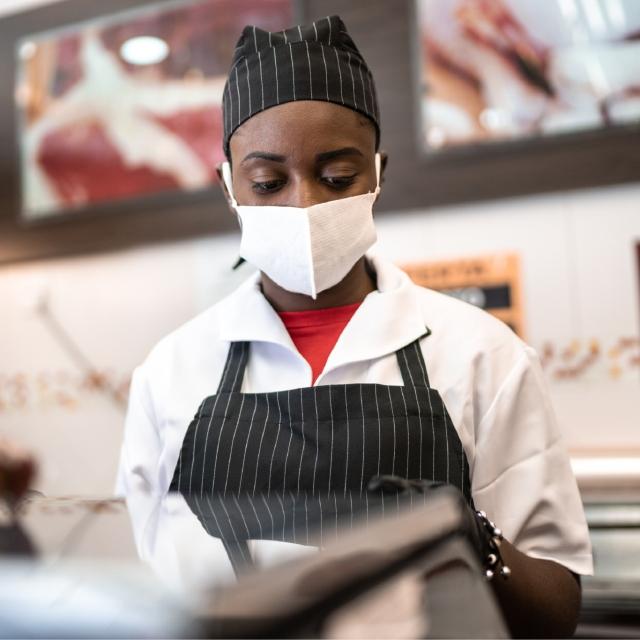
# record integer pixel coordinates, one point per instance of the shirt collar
(387, 320)
(246, 315)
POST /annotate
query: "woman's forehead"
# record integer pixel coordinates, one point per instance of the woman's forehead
(303, 126)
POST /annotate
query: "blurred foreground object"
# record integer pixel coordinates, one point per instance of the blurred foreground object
(611, 597)
(17, 471)
(388, 566)
(610, 488)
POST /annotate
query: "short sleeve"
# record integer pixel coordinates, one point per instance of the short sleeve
(522, 475)
(140, 452)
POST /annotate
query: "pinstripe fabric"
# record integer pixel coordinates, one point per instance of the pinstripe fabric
(302, 519)
(315, 62)
(315, 440)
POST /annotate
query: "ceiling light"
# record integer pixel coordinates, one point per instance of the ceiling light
(143, 50)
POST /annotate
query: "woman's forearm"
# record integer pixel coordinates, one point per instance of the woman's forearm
(540, 599)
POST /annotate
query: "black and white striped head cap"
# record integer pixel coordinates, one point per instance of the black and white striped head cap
(313, 62)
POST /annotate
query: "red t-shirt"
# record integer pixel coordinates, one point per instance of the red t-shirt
(315, 333)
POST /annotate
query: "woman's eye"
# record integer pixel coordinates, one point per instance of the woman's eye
(339, 182)
(267, 186)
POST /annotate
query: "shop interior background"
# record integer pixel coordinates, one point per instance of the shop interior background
(73, 327)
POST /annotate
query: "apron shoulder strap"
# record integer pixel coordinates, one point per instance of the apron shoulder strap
(412, 365)
(233, 372)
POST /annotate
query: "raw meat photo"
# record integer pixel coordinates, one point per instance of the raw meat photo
(129, 104)
(495, 70)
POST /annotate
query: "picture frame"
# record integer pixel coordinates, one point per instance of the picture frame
(417, 181)
(89, 224)
(496, 75)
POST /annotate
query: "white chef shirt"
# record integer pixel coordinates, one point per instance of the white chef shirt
(490, 381)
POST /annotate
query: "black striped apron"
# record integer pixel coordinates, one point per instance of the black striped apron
(298, 518)
(315, 440)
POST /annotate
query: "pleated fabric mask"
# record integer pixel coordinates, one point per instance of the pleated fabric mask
(306, 250)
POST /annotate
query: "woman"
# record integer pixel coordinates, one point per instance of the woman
(321, 371)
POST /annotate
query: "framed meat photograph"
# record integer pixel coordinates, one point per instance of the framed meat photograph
(127, 105)
(502, 71)
(110, 121)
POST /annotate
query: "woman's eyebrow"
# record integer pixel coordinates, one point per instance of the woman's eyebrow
(338, 153)
(264, 155)
(320, 157)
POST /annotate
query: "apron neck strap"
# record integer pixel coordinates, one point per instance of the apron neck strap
(412, 365)
(233, 373)
(410, 360)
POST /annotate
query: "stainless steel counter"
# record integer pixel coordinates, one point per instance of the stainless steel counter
(611, 597)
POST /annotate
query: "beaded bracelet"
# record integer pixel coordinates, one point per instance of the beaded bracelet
(493, 563)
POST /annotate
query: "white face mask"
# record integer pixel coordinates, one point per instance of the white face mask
(306, 250)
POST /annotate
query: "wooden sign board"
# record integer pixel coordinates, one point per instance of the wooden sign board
(490, 282)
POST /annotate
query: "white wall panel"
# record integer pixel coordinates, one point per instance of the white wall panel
(579, 282)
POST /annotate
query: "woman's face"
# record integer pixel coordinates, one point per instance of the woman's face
(303, 153)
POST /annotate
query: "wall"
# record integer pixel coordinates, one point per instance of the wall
(580, 283)
(579, 280)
